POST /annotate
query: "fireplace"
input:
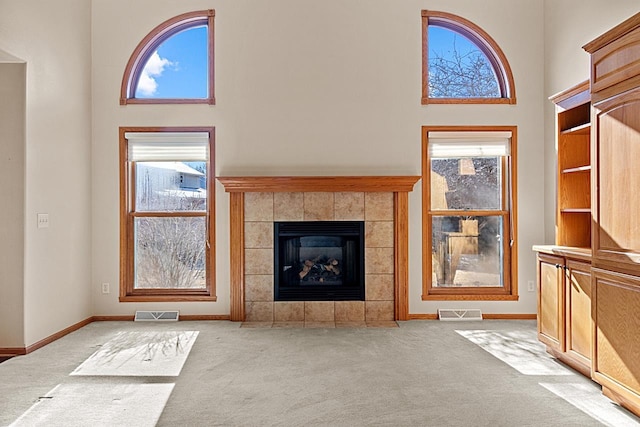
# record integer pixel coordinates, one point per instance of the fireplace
(319, 261)
(256, 202)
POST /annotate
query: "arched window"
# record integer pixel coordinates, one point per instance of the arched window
(173, 64)
(461, 63)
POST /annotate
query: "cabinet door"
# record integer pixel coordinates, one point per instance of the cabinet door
(616, 309)
(616, 238)
(579, 325)
(551, 301)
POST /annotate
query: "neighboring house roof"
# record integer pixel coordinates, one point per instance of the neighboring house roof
(174, 166)
(200, 193)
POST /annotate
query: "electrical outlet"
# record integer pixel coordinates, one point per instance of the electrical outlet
(531, 286)
(105, 288)
(43, 220)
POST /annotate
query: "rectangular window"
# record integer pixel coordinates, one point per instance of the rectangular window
(469, 213)
(167, 221)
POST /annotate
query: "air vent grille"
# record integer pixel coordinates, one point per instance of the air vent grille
(459, 314)
(156, 316)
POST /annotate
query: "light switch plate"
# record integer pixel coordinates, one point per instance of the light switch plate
(43, 220)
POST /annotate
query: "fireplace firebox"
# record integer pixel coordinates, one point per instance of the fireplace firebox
(319, 261)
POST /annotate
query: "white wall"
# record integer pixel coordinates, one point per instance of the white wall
(314, 87)
(569, 25)
(53, 38)
(12, 172)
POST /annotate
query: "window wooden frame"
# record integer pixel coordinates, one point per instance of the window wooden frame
(151, 42)
(128, 214)
(508, 212)
(483, 42)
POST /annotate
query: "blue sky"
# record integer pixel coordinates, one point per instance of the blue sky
(441, 41)
(178, 69)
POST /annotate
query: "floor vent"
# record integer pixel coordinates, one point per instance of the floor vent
(152, 316)
(466, 314)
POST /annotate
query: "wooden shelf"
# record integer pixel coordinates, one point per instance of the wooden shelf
(586, 168)
(575, 210)
(582, 129)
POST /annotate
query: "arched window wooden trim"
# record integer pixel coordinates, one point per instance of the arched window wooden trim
(151, 42)
(484, 42)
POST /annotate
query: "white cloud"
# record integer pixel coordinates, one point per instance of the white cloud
(154, 67)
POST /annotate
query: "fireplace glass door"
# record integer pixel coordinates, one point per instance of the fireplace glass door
(319, 260)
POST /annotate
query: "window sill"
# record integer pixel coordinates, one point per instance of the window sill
(427, 101)
(470, 297)
(160, 101)
(167, 298)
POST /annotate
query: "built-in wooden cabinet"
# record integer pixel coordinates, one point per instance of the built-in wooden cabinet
(615, 148)
(565, 322)
(589, 281)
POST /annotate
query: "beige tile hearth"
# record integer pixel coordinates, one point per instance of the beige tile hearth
(379, 310)
(289, 311)
(351, 324)
(256, 325)
(318, 325)
(383, 324)
(349, 311)
(258, 312)
(319, 311)
(288, 325)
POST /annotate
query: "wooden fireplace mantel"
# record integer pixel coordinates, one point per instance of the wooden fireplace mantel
(398, 185)
(253, 184)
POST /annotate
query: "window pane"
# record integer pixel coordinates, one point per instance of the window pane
(171, 186)
(466, 183)
(467, 251)
(170, 252)
(178, 68)
(458, 68)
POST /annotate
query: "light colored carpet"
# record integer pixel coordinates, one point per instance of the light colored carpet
(145, 354)
(422, 373)
(519, 349)
(105, 404)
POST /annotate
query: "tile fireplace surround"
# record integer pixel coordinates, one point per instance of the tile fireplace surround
(380, 201)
